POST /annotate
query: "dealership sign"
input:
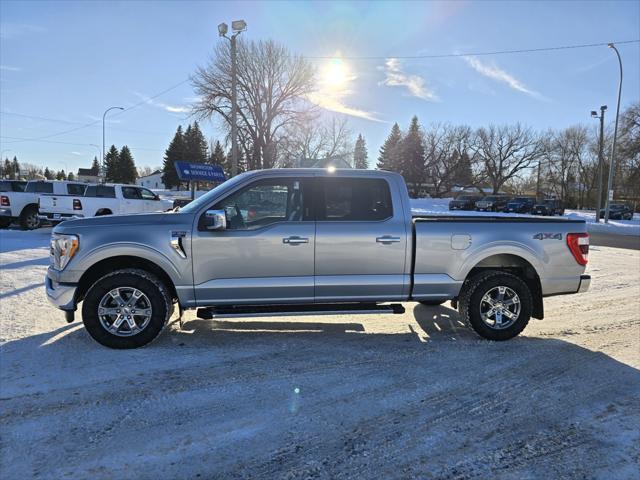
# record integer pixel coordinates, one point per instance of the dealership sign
(201, 172)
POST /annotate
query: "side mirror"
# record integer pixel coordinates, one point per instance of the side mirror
(215, 220)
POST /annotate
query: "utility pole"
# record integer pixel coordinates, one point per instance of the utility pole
(612, 166)
(238, 27)
(594, 114)
(102, 161)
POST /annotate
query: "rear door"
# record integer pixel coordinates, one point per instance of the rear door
(361, 240)
(133, 201)
(265, 255)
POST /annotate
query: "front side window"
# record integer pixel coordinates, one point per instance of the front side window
(131, 193)
(39, 187)
(147, 194)
(263, 203)
(354, 199)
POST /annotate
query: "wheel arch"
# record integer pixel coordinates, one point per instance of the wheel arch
(110, 264)
(516, 265)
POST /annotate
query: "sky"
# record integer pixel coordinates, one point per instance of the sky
(63, 63)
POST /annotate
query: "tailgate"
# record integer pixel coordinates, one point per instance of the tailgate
(62, 204)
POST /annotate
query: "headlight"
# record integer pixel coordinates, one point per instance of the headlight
(63, 248)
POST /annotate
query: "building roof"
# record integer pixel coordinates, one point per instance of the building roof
(151, 174)
(87, 172)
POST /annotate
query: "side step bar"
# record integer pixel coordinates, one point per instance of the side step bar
(209, 313)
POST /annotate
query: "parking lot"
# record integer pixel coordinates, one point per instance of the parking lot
(405, 396)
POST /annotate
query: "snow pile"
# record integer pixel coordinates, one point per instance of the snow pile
(440, 206)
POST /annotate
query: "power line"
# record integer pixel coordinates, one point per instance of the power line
(476, 54)
(86, 125)
(76, 144)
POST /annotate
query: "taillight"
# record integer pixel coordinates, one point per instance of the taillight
(4, 201)
(76, 204)
(578, 243)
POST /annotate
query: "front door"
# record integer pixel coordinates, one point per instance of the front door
(133, 202)
(360, 241)
(265, 255)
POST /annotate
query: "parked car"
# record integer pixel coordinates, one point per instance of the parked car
(492, 203)
(331, 241)
(520, 205)
(464, 202)
(618, 211)
(104, 199)
(23, 205)
(548, 207)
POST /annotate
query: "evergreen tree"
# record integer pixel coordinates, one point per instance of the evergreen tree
(175, 151)
(127, 172)
(95, 167)
(71, 177)
(196, 150)
(360, 155)
(413, 158)
(219, 158)
(47, 174)
(463, 174)
(61, 175)
(112, 164)
(7, 170)
(389, 158)
(15, 167)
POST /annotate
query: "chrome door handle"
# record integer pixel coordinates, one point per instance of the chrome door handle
(294, 240)
(386, 239)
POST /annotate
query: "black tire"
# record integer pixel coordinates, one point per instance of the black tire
(5, 222)
(431, 303)
(29, 219)
(471, 298)
(156, 292)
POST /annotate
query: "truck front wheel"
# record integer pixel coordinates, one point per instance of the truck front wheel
(495, 304)
(126, 309)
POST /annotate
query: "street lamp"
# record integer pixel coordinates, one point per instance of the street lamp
(238, 26)
(594, 114)
(103, 116)
(613, 148)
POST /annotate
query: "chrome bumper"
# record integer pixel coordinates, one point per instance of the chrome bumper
(585, 282)
(61, 295)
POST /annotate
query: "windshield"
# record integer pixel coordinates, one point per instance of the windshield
(521, 200)
(492, 199)
(616, 206)
(466, 197)
(205, 199)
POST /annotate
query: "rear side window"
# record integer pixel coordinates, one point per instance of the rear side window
(12, 186)
(353, 199)
(39, 187)
(101, 191)
(75, 188)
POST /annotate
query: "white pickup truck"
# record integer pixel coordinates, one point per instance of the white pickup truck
(104, 199)
(23, 206)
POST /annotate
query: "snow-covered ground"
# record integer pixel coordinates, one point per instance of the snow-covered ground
(361, 396)
(440, 206)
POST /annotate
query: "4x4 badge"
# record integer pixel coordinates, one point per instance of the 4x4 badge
(545, 236)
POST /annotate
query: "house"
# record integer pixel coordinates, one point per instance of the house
(86, 175)
(153, 180)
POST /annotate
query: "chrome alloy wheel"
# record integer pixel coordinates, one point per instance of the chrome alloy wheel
(500, 307)
(124, 311)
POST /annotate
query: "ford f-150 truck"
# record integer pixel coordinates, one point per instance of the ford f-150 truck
(289, 241)
(104, 199)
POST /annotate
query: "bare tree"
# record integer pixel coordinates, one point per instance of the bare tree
(505, 152)
(272, 87)
(447, 157)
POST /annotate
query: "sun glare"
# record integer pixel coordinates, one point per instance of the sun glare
(336, 73)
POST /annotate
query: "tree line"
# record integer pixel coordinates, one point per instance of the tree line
(514, 159)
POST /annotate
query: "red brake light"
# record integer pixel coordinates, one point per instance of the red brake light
(578, 243)
(77, 205)
(4, 201)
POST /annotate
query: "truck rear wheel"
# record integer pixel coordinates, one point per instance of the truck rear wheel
(496, 305)
(126, 309)
(29, 219)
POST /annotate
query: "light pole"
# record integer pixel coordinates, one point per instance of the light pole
(238, 27)
(594, 114)
(612, 166)
(103, 117)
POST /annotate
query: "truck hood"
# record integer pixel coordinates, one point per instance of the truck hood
(135, 220)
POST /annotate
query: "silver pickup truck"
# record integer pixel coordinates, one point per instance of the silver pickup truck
(291, 241)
